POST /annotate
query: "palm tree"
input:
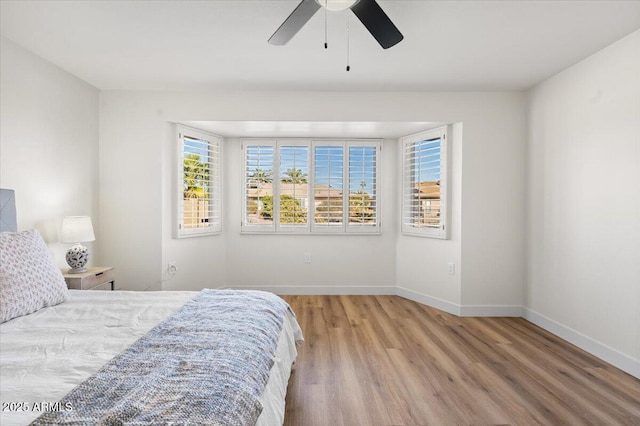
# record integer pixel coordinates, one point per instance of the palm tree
(262, 176)
(195, 190)
(294, 176)
(196, 177)
(360, 209)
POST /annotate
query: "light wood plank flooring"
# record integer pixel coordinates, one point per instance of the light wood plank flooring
(385, 360)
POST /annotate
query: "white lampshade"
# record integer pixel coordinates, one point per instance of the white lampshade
(77, 229)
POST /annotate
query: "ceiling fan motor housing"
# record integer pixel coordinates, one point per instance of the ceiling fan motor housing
(337, 5)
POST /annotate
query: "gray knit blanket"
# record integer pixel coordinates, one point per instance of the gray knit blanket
(207, 364)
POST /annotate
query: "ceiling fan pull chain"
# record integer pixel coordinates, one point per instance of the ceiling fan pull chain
(325, 25)
(348, 39)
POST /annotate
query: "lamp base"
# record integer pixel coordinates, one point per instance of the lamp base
(77, 258)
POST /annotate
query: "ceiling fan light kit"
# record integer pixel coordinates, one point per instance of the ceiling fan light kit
(337, 5)
(368, 12)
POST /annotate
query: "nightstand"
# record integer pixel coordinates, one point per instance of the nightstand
(96, 278)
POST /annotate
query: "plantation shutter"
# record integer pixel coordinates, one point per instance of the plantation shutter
(294, 185)
(259, 186)
(328, 165)
(199, 194)
(363, 188)
(424, 184)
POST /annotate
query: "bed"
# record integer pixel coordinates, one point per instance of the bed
(166, 355)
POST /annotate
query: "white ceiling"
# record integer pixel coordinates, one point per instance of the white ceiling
(185, 45)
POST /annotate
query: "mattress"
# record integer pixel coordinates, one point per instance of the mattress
(46, 354)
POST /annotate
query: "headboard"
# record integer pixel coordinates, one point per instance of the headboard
(8, 222)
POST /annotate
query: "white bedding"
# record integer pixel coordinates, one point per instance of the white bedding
(45, 355)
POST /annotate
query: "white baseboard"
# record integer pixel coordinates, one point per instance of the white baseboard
(491, 311)
(322, 290)
(598, 349)
(434, 302)
(460, 310)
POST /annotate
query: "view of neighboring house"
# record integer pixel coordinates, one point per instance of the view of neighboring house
(327, 201)
(195, 212)
(196, 202)
(427, 198)
(295, 201)
(327, 204)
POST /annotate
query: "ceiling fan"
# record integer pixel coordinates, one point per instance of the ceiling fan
(368, 12)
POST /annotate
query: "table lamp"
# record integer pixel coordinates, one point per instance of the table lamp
(77, 229)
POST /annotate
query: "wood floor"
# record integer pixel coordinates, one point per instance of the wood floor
(385, 360)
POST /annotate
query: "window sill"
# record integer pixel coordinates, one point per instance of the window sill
(307, 233)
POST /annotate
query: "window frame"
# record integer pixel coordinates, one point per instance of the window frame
(443, 230)
(215, 204)
(311, 227)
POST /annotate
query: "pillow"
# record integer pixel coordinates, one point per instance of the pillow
(29, 278)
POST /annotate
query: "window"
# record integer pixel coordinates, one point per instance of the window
(294, 186)
(258, 177)
(424, 200)
(322, 186)
(362, 186)
(198, 204)
(329, 187)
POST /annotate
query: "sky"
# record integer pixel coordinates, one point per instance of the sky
(329, 163)
(426, 164)
(197, 146)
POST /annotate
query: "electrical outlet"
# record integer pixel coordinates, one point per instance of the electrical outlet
(172, 268)
(451, 268)
(307, 257)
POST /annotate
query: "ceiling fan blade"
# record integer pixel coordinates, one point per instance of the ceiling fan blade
(290, 27)
(378, 23)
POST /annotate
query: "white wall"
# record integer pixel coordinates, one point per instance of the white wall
(362, 263)
(486, 244)
(136, 139)
(48, 144)
(131, 183)
(421, 263)
(583, 204)
(493, 214)
(202, 261)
